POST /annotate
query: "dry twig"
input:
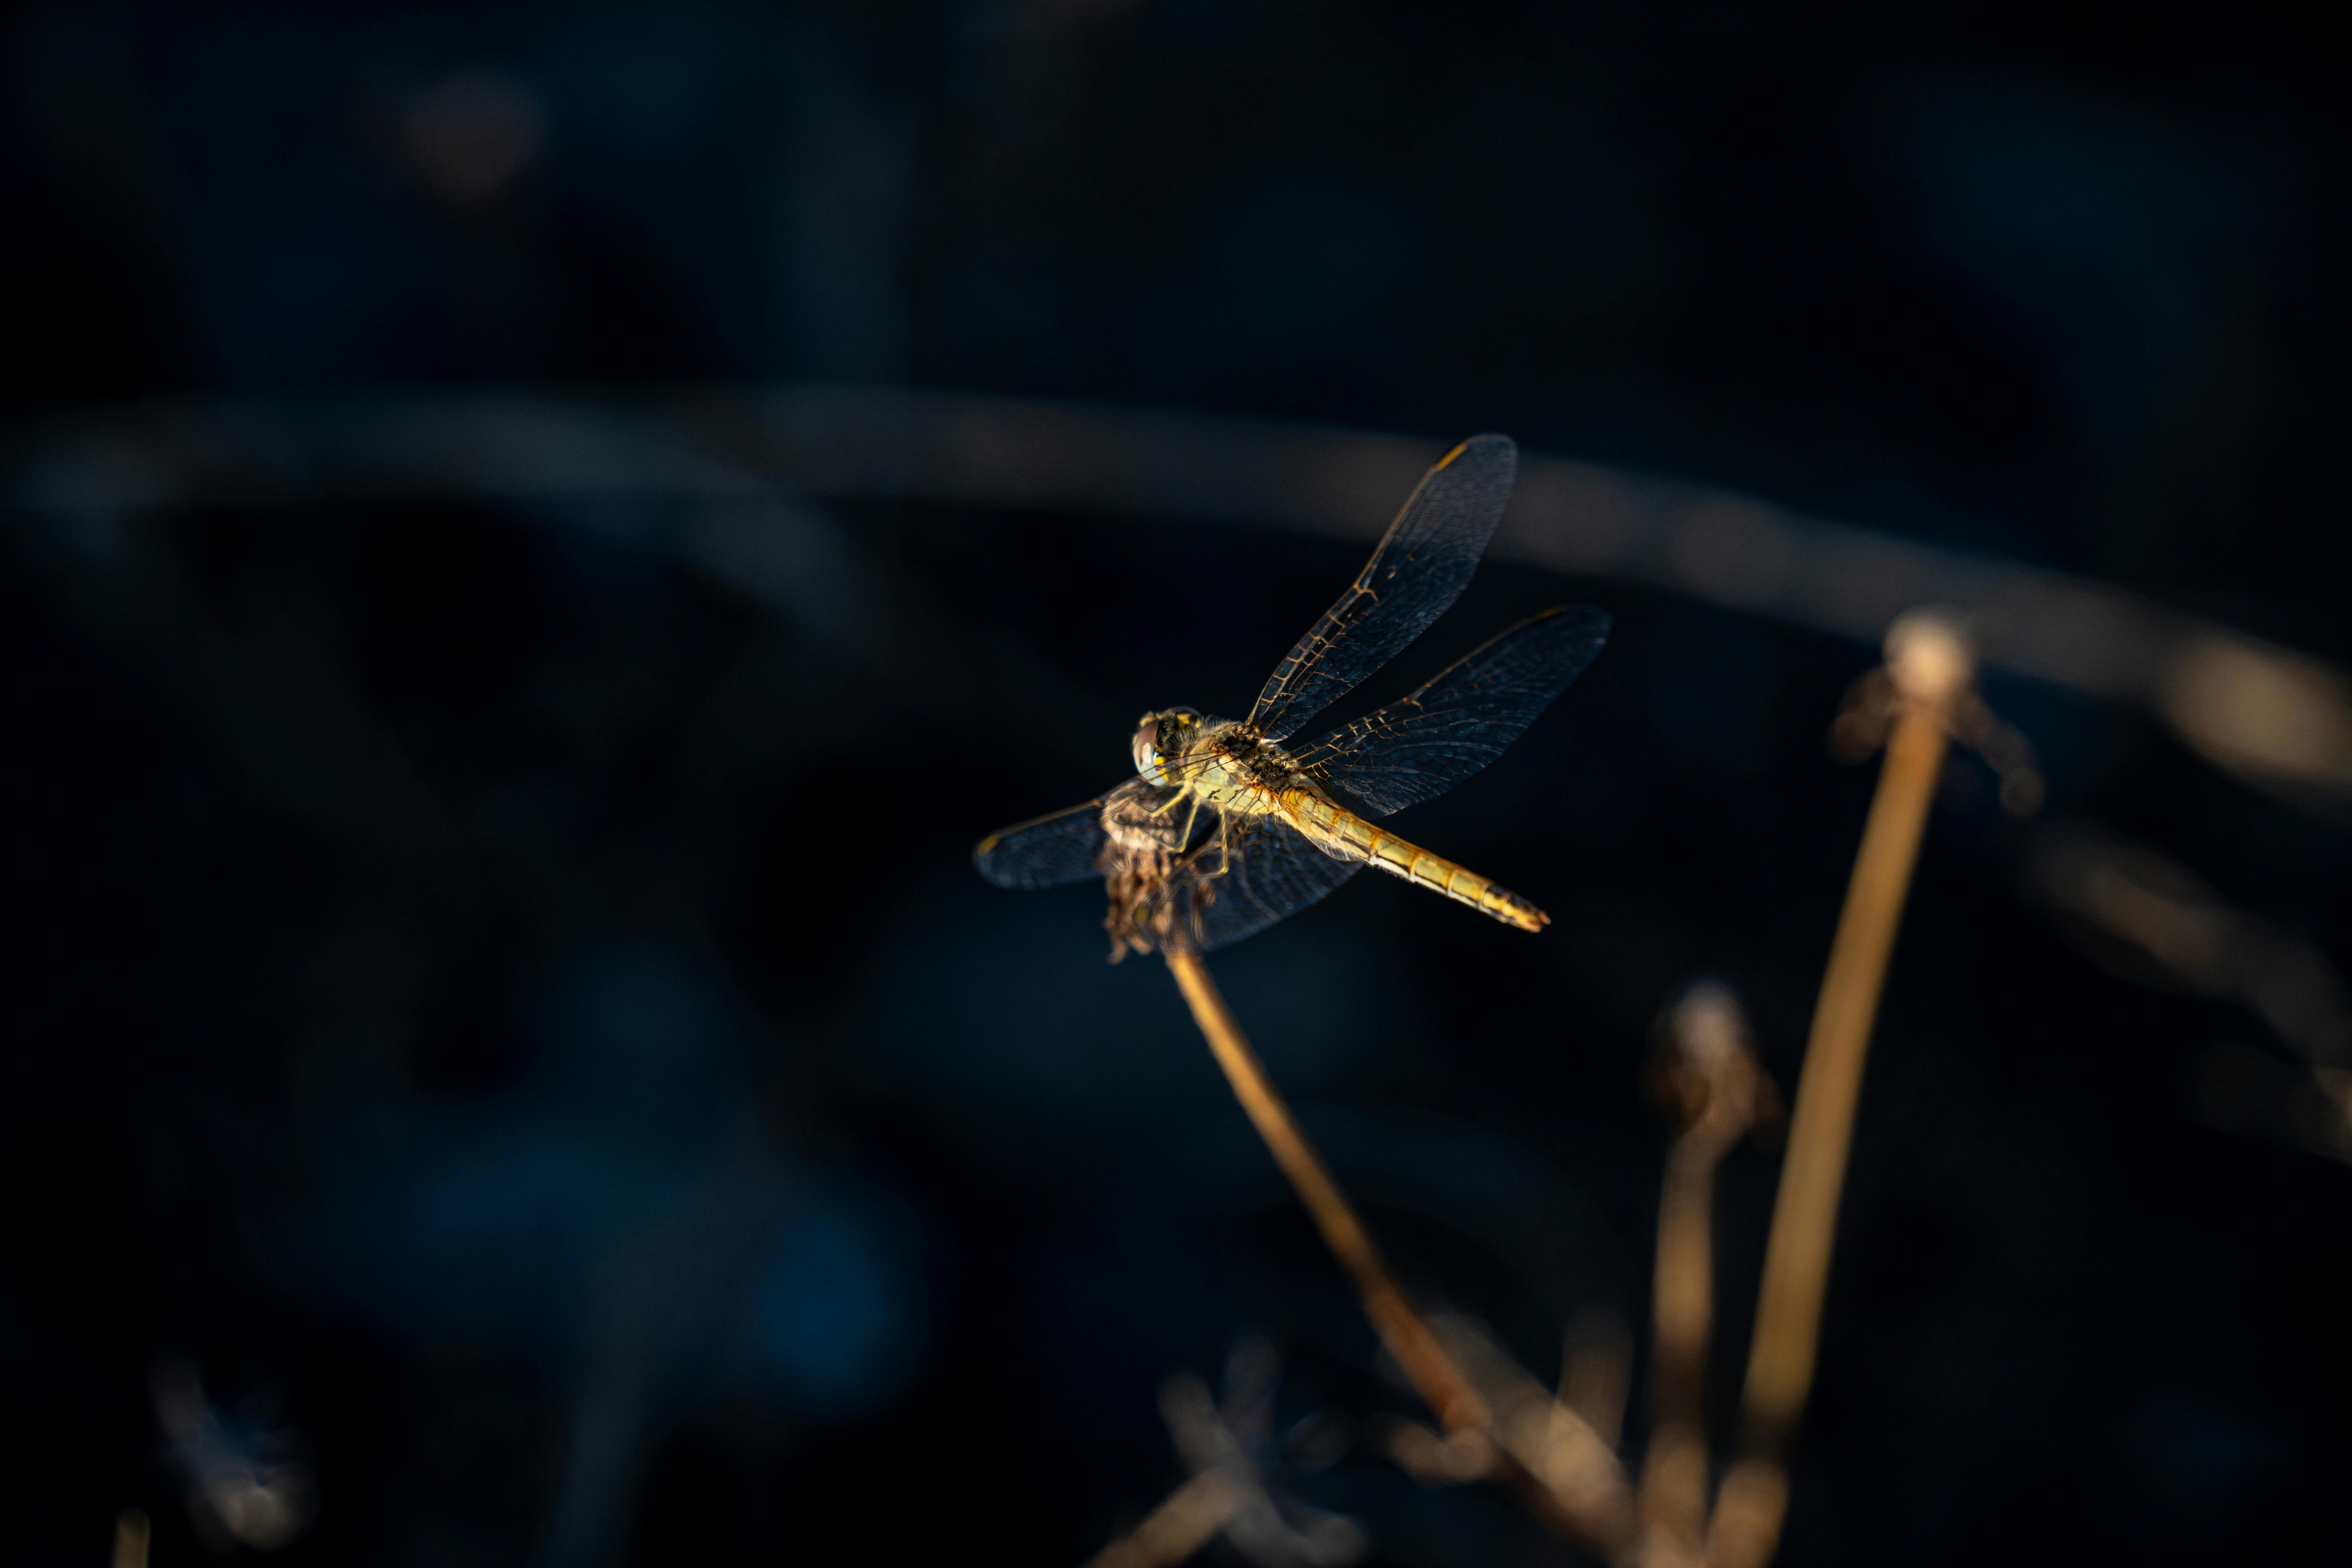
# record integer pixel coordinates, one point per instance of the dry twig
(1556, 1461)
(1929, 666)
(1402, 1328)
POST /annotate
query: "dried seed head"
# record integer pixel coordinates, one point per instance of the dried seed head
(1929, 655)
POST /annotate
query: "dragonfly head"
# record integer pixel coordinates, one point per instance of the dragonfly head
(1160, 735)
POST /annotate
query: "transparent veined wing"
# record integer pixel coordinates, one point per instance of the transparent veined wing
(1047, 851)
(1423, 562)
(1419, 747)
(1271, 871)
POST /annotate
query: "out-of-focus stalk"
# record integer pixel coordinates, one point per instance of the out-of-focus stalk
(130, 1536)
(1713, 1085)
(1184, 1521)
(1930, 665)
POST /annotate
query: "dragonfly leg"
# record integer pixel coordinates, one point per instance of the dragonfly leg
(1224, 849)
(1191, 817)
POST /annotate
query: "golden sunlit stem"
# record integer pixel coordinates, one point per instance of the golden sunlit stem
(1931, 666)
(1433, 1373)
(1561, 1490)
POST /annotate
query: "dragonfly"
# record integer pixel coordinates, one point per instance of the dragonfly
(1231, 824)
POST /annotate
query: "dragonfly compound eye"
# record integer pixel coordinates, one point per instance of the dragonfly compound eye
(1146, 749)
(1155, 735)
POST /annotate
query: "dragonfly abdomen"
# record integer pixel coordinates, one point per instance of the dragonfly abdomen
(1336, 826)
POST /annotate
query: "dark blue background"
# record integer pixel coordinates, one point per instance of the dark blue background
(521, 1019)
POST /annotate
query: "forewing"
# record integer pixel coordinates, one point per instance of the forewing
(1271, 872)
(1047, 851)
(1423, 563)
(1418, 748)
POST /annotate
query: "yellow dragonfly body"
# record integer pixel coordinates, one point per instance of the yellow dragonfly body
(1229, 825)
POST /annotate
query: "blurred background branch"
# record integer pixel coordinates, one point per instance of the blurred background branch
(2277, 719)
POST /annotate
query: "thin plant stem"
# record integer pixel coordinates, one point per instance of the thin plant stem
(1930, 665)
(1719, 1091)
(1561, 1488)
(1435, 1374)
(1674, 1471)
